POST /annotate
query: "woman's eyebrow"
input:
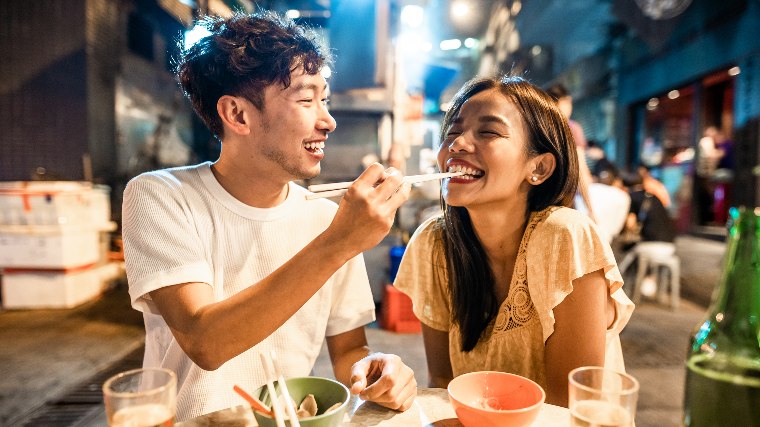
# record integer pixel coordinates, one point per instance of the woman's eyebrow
(491, 118)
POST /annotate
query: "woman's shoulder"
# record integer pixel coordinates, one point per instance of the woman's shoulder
(558, 218)
(559, 228)
(428, 231)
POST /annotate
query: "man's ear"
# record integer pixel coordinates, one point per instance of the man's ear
(541, 168)
(235, 114)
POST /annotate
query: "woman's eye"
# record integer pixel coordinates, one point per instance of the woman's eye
(490, 133)
(326, 101)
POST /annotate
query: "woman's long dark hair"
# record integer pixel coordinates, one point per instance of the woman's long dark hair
(471, 280)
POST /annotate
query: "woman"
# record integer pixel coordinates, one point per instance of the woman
(509, 278)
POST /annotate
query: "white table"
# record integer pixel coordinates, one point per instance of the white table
(431, 407)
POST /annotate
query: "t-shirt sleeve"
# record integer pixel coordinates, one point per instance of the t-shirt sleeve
(422, 276)
(161, 243)
(565, 247)
(352, 303)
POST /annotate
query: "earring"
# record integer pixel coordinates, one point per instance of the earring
(534, 178)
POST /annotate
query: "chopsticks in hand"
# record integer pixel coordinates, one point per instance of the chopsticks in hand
(320, 191)
(272, 369)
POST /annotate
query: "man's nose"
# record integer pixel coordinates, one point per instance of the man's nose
(326, 121)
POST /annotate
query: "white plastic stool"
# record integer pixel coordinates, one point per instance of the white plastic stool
(658, 255)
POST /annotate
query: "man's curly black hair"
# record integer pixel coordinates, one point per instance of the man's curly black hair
(243, 55)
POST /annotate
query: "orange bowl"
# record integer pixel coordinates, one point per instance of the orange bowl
(484, 399)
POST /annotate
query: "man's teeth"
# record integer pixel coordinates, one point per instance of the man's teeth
(469, 173)
(314, 146)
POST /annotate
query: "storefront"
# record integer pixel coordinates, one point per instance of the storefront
(689, 108)
(684, 136)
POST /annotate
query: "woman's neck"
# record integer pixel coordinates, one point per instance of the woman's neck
(500, 231)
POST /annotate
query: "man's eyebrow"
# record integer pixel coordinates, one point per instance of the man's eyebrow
(308, 86)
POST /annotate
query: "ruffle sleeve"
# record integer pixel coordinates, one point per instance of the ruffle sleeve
(565, 246)
(422, 276)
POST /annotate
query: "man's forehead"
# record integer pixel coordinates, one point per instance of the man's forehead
(299, 80)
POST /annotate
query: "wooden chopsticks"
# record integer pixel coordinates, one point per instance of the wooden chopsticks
(320, 191)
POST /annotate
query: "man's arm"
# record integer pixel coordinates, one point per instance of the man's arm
(376, 377)
(212, 333)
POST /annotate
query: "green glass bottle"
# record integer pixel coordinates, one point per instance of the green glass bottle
(723, 363)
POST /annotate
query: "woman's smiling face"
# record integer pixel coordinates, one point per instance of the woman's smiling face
(488, 141)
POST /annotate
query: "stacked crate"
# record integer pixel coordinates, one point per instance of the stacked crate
(53, 243)
(397, 313)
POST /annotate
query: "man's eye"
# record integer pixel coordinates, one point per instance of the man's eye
(490, 133)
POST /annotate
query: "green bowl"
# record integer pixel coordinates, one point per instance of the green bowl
(326, 392)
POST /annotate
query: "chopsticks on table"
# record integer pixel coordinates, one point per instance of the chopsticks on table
(320, 191)
(272, 370)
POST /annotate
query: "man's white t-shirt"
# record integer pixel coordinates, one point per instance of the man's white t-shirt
(180, 225)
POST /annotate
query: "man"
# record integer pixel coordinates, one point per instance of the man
(229, 260)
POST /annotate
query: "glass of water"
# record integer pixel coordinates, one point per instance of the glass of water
(601, 397)
(143, 397)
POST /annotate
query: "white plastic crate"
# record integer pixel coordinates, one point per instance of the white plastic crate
(48, 247)
(59, 203)
(26, 289)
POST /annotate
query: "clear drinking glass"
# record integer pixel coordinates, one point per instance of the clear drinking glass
(143, 397)
(601, 397)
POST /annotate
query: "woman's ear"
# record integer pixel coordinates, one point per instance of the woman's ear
(234, 112)
(541, 168)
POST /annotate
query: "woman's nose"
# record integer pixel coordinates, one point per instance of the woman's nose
(460, 143)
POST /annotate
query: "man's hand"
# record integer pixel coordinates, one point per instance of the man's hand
(385, 380)
(368, 208)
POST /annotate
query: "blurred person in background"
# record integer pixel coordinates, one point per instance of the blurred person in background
(509, 278)
(648, 221)
(723, 177)
(610, 199)
(228, 260)
(708, 156)
(647, 214)
(653, 186)
(565, 102)
(596, 159)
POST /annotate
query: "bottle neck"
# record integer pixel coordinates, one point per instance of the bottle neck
(736, 305)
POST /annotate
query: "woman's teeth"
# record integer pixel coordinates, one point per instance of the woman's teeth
(314, 147)
(469, 173)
